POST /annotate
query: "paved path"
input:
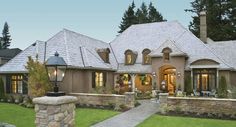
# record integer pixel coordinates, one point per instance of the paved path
(132, 117)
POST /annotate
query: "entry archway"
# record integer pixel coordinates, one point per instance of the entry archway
(167, 73)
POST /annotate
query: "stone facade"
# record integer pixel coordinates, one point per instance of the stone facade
(210, 106)
(55, 111)
(127, 99)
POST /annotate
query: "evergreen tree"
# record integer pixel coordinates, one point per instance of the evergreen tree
(221, 21)
(128, 19)
(153, 14)
(0, 42)
(142, 14)
(6, 40)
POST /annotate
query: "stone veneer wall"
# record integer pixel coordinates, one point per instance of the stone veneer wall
(55, 111)
(210, 106)
(127, 99)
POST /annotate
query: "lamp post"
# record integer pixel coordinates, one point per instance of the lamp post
(56, 67)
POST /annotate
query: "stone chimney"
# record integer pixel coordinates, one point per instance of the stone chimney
(203, 27)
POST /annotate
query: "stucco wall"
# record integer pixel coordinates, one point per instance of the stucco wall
(80, 81)
(177, 61)
(233, 78)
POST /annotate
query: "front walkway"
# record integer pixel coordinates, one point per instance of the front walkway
(132, 117)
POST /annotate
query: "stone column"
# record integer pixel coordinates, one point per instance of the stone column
(55, 111)
(133, 82)
(129, 99)
(163, 97)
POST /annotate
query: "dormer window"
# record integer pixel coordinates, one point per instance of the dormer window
(104, 54)
(130, 57)
(166, 53)
(146, 57)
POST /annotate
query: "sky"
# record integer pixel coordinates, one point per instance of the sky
(32, 20)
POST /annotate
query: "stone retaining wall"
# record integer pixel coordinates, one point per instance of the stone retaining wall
(199, 106)
(128, 99)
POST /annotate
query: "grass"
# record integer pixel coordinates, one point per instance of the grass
(24, 117)
(173, 121)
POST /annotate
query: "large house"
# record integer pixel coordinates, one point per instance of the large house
(141, 58)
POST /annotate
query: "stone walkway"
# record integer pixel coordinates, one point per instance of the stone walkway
(132, 117)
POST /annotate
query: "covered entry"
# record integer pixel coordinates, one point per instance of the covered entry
(167, 74)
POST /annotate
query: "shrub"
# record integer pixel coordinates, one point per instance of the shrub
(2, 92)
(38, 80)
(222, 90)
(9, 98)
(188, 86)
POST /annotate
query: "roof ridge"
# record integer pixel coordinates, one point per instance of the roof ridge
(66, 46)
(64, 29)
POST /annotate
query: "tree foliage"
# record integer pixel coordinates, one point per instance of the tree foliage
(6, 37)
(38, 81)
(188, 86)
(221, 21)
(2, 93)
(222, 89)
(143, 14)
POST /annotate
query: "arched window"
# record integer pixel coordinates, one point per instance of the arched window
(166, 53)
(146, 57)
(130, 57)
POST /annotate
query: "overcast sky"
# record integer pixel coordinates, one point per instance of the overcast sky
(31, 20)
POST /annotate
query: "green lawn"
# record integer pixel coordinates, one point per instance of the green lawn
(172, 121)
(24, 117)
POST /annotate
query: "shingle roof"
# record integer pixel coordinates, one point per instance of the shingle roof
(78, 51)
(226, 50)
(17, 64)
(9, 53)
(152, 35)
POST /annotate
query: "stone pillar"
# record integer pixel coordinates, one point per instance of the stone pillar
(133, 82)
(55, 111)
(129, 99)
(163, 102)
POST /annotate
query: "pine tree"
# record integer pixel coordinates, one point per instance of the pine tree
(6, 40)
(0, 42)
(128, 19)
(153, 14)
(221, 21)
(142, 14)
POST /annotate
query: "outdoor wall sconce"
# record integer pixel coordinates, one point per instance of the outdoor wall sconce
(56, 67)
(178, 74)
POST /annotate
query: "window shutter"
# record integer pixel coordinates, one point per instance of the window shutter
(8, 84)
(93, 79)
(25, 85)
(104, 78)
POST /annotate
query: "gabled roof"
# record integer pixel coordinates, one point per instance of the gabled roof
(175, 50)
(78, 51)
(9, 53)
(153, 35)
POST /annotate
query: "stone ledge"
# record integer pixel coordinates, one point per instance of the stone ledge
(201, 98)
(54, 100)
(94, 94)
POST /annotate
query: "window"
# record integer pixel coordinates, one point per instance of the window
(130, 57)
(17, 84)
(204, 79)
(146, 57)
(99, 79)
(166, 53)
(167, 56)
